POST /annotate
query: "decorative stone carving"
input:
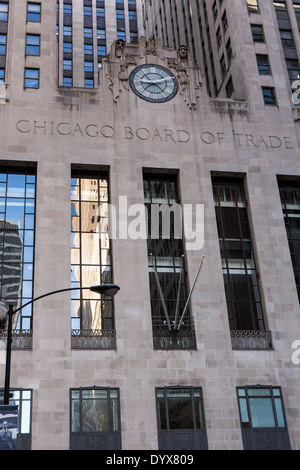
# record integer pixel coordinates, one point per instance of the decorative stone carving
(153, 46)
(115, 66)
(188, 76)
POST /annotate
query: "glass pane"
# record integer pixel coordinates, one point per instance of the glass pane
(75, 416)
(95, 393)
(259, 392)
(91, 314)
(25, 418)
(262, 413)
(94, 416)
(114, 415)
(244, 412)
(279, 412)
(16, 186)
(90, 248)
(162, 424)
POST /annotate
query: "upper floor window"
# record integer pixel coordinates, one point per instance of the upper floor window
(269, 96)
(92, 315)
(263, 64)
(32, 44)
(253, 6)
(167, 271)
(3, 11)
(34, 12)
(290, 199)
(257, 33)
(17, 234)
(31, 78)
(3, 39)
(239, 265)
(281, 10)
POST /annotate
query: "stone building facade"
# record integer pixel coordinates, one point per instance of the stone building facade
(221, 374)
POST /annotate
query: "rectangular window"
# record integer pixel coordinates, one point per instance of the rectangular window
(263, 64)
(89, 83)
(92, 315)
(34, 12)
(290, 199)
(167, 272)
(17, 235)
(67, 81)
(269, 96)
(281, 10)
(3, 11)
(2, 44)
(253, 6)
(262, 418)
(23, 399)
(239, 266)
(32, 44)
(287, 38)
(180, 417)
(293, 69)
(2, 76)
(95, 419)
(31, 78)
(257, 33)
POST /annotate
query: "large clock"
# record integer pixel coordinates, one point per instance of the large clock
(153, 83)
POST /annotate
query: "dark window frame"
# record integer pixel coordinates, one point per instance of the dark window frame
(258, 437)
(109, 439)
(194, 436)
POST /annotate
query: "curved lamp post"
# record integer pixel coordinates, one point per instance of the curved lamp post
(107, 289)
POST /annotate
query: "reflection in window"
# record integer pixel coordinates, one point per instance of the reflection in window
(290, 199)
(167, 273)
(17, 233)
(238, 261)
(261, 410)
(95, 419)
(22, 398)
(180, 414)
(90, 251)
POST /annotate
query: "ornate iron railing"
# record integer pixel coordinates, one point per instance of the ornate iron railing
(182, 338)
(251, 339)
(21, 339)
(93, 339)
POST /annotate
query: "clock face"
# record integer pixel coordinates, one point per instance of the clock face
(153, 83)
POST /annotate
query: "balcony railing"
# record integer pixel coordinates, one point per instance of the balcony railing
(163, 338)
(93, 339)
(251, 339)
(21, 339)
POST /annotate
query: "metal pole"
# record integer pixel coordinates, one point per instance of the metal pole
(8, 355)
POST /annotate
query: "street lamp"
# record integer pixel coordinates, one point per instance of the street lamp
(109, 290)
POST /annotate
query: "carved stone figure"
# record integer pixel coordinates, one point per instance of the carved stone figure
(188, 76)
(115, 66)
(153, 46)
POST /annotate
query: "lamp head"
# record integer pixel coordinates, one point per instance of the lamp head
(107, 289)
(3, 310)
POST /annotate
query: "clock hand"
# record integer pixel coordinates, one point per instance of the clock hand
(163, 79)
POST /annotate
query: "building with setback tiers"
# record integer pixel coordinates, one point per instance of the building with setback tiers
(146, 159)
